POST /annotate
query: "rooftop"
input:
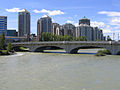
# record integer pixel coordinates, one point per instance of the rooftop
(85, 25)
(45, 16)
(84, 18)
(3, 16)
(24, 10)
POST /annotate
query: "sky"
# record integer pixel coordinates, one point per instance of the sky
(104, 14)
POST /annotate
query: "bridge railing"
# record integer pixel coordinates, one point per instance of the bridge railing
(71, 42)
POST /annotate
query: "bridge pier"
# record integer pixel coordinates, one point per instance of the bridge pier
(114, 52)
(67, 50)
(114, 49)
(32, 49)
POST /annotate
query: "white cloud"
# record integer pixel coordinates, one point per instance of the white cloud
(53, 20)
(14, 10)
(115, 21)
(44, 16)
(97, 24)
(76, 15)
(113, 25)
(108, 13)
(68, 21)
(72, 22)
(42, 11)
(107, 29)
(76, 24)
(51, 13)
(103, 26)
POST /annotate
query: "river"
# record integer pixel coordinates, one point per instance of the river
(59, 71)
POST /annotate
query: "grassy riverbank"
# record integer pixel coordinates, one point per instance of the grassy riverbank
(5, 52)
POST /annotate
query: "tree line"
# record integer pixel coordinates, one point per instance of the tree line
(46, 36)
(5, 49)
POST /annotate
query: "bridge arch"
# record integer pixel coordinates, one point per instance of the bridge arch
(75, 50)
(118, 53)
(17, 48)
(42, 48)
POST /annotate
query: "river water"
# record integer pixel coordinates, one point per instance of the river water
(59, 71)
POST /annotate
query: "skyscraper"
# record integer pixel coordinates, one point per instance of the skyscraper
(91, 33)
(44, 24)
(69, 29)
(3, 25)
(55, 28)
(84, 21)
(24, 23)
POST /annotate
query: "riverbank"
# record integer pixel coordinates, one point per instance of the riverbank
(5, 52)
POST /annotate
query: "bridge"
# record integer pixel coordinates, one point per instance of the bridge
(70, 46)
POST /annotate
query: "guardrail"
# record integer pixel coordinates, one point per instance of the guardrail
(69, 42)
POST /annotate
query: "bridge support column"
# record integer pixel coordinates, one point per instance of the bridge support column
(32, 49)
(114, 50)
(67, 49)
(114, 53)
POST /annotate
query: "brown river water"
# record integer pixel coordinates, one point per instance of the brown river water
(59, 71)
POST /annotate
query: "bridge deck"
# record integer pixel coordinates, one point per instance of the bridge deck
(68, 42)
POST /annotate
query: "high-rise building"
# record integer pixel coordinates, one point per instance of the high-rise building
(69, 29)
(3, 25)
(24, 23)
(44, 24)
(56, 28)
(84, 21)
(91, 33)
(11, 33)
(84, 30)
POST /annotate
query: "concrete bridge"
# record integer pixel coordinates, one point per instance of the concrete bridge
(71, 46)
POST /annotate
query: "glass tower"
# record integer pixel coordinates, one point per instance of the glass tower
(24, 23)
(44, 24)
(3, 25)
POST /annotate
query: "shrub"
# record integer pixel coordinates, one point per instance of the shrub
(9, 47)
(100, 54)
(103, 53)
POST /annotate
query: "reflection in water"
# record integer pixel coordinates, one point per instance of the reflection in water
(59, 71)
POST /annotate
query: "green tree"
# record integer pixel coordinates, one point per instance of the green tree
(98, 40)
(9, 47)
(46, 36)
(69, 38)
(83, 38)
(2, 41)
(108, 38)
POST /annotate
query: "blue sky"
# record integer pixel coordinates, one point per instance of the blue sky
(103, 13)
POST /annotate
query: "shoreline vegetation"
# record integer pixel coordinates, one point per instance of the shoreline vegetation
(12, 52)
(6, 52)
(5, 49)
(103, 53)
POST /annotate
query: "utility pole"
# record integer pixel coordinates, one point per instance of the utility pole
(118, 36)
(113, 36)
